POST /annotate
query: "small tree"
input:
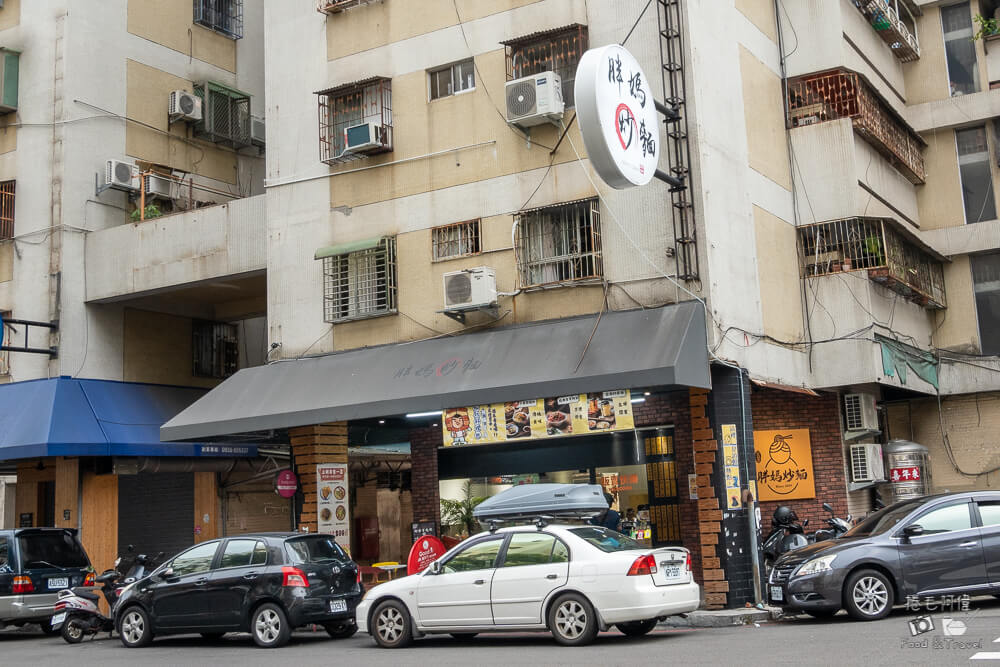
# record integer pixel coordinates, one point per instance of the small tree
(459, 512)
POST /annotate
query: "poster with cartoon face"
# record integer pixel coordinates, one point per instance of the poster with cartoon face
(784, 464)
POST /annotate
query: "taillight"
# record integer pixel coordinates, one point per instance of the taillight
(358, 578)
(90, 579)
(294, 577)
(118, 592)
(23, 584)
(687, 563)
(60, 606)
(643, 565)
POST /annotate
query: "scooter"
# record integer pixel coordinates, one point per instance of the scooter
(837, 527)
(786, 534)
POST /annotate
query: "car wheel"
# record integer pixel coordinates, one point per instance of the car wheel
(868, 595)
(269, 626)
(572, 620)
(213, 636)
(637, 628)
(47, 628)
(464, 636)
(72, 631)
(822, 613)
(391, 625)
(341, 630)
(134, 628)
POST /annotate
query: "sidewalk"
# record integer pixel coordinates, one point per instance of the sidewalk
(723, 617)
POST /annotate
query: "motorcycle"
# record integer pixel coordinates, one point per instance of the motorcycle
(837, 527)
(786, 534)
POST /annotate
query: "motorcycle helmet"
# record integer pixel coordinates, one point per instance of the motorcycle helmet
(784, 516)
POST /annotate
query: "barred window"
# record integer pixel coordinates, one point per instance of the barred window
(559, 243)
(360, 284)
(6, 210)
(453, 79)
(456, 240)
(215, 349)
(225, 115)
(556, 50)
(223, 16)
(343, 109)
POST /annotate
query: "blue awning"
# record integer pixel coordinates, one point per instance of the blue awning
(73, 417)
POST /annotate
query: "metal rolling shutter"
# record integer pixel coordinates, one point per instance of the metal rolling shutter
(254, 507)
(156, 512)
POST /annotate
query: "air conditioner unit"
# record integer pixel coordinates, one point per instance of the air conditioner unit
(535, 100)
(867, 464)
(184, 106)
(158, 186)
(860, 412)
(257, 131)
(120, 176)
(364, 138)
(471, 288)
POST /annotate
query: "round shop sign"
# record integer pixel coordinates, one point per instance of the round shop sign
(286, 483)
(425, 551)
(618, 117)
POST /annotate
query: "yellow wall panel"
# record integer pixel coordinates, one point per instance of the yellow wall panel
(765, 120)
(67, 492)
(157, 349)
(10, 15)
(778, 272)
(940, 199)
(206, 503)
(6, 261)
(761, 14)
(8, 134)
(170, 23)
(957, 327)
(926, 79)
(99, 519)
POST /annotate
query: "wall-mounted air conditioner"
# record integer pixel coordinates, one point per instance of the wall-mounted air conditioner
(535, 100)
(364, 137)
(867, 464)
(471, 288)
(860, 413)
(184, 106)
(120, 176)
(158, 186)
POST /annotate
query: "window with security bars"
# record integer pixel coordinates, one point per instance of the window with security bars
(6, 210)
(215, 349)
(344, 109)
(559, 244)
(360, 284)
(222, 16)
(225, 115)
(556, 50)
(456, 240)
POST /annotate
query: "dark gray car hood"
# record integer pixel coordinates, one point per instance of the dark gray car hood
(824, 548)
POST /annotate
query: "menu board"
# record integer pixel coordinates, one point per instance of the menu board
(538, 419)
(332, 502)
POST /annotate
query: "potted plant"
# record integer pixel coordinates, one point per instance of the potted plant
(458, 513)
(987, 27)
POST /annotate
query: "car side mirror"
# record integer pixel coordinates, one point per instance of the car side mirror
(167, 573)
(435, 567)
(806, 522)
(913, 530)
(849, 518)
(827, 507)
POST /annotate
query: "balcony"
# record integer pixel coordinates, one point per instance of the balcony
(816, 98)
(337, 6)
(887, 21)
(879, 246)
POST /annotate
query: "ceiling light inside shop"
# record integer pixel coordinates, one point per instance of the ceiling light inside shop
(381, 421)
(638, 400)
(415, 415)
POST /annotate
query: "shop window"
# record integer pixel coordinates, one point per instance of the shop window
(225, 115)
(479, 556)
(977, 174)
(559, 244)
(530, 549)
(197, 559)
(360, 284)
(215, 349)
(453, 79)
(986, 283)
(456, 240)
(960, 49)
(355, 120)
(222, 16)
(556, 50)
(7, 210)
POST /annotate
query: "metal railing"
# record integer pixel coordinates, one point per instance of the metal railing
(877, 246)
(7, 210)
(559, 244)
(886, 20)
(816, 98)
(368, 101)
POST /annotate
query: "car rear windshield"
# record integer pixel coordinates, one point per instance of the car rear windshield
(884, 519)
(606, 540)
(318, 549)
(51, 549)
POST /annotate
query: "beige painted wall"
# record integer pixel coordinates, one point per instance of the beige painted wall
(778, 271)
(148, 93)
(6, 261)
(761, 14)
(927, 78)
(940, 199)
(765, 120)
(8, 133)
(382, 23)
(157, 349)
(10, 15)
(956, 325)
(170, 23)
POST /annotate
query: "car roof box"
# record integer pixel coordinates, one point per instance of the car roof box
(535, 500)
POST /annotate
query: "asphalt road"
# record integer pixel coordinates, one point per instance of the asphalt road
(797, 641)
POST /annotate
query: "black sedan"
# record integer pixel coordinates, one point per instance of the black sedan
(265, 584)
(927, 547)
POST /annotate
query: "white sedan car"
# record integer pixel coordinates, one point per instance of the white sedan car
(570, 580)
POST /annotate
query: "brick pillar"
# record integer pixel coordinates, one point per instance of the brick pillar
(709, 514)
(320, 443)
(424, 488)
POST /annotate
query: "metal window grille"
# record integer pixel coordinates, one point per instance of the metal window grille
(452, 79)
(556, 50)
(897, 30)
(817, 98)
(7, 210)
(337, 6)
(225, 115)
(360, 284)
(224, 16)
(559, 244)
(456, 240)
(368, 101)
(215, 349)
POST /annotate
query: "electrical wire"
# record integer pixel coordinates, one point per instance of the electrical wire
(636, 24)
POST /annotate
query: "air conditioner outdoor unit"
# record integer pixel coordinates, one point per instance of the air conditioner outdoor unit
(120, 176)
(363, 138)
(470, 288)
(860, 412)
(257, 131)
(184, 106)
(867, 464)
(535, 100)
(158, 186)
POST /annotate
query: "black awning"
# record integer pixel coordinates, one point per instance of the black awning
(655, 347)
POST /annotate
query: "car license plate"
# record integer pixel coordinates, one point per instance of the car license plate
(777, 594)
(58, 619)
(672, 572)
(59, 582)
(338, 605)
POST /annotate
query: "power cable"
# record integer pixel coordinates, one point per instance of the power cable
(636, 24)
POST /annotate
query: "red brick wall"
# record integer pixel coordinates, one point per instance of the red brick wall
(773, 410)
(424, 489)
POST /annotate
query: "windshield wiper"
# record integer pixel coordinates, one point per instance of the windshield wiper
(45, 562)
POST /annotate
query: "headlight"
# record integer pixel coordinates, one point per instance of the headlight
(815, 566)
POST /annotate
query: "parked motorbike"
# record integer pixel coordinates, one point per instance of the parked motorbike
(786, 534)
(837, 527)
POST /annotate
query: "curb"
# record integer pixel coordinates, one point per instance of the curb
(722, 618)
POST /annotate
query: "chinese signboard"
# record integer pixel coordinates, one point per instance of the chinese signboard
(911, 474)
(576, 414)
(332, 514)
(784, 464)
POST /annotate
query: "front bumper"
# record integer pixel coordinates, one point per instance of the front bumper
(818, 592)
(303, 611)
(27, 608)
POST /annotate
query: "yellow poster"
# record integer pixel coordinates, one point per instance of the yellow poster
(729, 434)
(734, 498)
(784, 464)
(732, 458)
